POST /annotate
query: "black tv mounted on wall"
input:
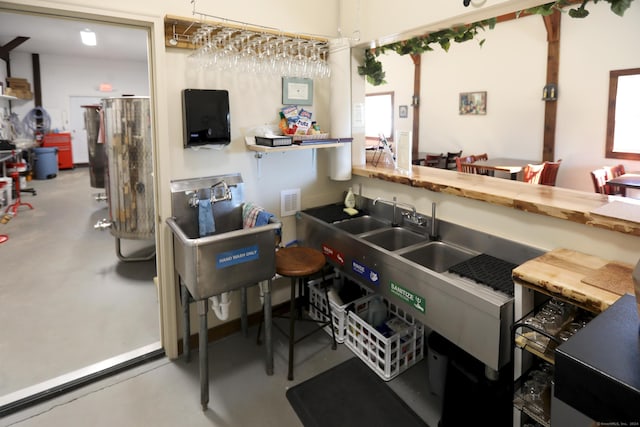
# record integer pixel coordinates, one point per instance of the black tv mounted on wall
(206, 117)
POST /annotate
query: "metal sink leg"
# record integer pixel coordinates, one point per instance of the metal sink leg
(267, 327)
(204, 357)
(244, 317)
(186, 323)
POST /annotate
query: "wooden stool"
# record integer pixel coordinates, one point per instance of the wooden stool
(298, 263)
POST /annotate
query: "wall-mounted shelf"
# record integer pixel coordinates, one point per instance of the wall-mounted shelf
(295, 147)
(261, 150)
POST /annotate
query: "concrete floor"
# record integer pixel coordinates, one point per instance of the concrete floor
(76, 304)
(167, 393)
(66, 301)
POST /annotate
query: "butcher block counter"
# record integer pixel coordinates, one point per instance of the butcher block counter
(584, 280)
(614, 213)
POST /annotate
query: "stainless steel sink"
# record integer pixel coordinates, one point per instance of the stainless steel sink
(394, 238)
(438, 256)
(361, 224)
(231, 258)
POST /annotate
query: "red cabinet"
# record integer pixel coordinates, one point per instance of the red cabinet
(63, 142)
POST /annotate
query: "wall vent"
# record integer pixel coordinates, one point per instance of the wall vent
(289, 202)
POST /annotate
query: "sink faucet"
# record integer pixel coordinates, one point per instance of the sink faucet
(226, 193)
(395, 203)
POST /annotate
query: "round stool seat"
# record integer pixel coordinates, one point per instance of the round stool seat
(298, 261)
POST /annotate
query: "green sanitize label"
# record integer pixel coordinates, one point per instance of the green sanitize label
(415, 300)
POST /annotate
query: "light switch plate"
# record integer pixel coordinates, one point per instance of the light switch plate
(289, 202)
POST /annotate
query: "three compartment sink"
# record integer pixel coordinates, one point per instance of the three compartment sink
(438, 256)
(361, 224)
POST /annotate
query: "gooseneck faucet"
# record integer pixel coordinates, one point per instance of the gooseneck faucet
(395, 204)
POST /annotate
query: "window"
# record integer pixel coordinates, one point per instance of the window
(623, 126)
(378, 108)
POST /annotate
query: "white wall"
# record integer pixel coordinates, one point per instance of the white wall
(65, 76)
(511, 67)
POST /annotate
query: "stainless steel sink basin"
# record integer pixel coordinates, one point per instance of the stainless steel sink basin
(231, 258)
(438, 256)
(394, 238)
(360, 225)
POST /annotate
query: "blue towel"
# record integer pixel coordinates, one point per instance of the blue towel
(205, 217)
(263, 218)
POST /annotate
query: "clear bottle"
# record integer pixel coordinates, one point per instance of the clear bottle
(350, 199)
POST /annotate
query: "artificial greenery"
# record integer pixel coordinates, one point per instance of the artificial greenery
(372, 68)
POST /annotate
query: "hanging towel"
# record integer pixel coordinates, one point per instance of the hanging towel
(205, 218)
(254, 216)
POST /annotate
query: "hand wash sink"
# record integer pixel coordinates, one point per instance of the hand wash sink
(437, 256)
(232, 257)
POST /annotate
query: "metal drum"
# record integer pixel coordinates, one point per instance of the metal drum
(128, 146)
(95, 145)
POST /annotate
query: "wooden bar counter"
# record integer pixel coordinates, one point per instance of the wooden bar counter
(614, 213)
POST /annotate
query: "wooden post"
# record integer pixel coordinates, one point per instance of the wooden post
(552, 24)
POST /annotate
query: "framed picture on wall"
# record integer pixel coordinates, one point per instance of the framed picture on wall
(403, 111)
(473, 103)
(296, 91)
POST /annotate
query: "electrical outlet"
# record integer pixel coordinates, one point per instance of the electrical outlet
(289, 202)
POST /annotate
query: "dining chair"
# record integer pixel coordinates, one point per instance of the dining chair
(531, 173)
(599, 178)
(451, 160)
(482, 156)
(549, 173)
(614, 172)
(465, 164)
(435, 160)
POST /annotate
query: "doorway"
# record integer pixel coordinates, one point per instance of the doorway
(69, 308)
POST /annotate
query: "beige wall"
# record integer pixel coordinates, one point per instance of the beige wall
(511, 67)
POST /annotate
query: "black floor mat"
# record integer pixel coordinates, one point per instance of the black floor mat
(350, 394)
(488, 270)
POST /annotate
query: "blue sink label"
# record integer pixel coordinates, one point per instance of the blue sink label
(414, 300)
(365, 272)
(237, 256)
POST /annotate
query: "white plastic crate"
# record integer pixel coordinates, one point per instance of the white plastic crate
(387, 356)
(338, 312)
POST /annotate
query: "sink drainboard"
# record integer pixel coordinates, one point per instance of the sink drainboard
(488, 270)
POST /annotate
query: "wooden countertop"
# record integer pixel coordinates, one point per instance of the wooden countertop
(590, 282)
(614, 213)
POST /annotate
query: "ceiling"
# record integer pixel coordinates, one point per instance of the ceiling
(60, 36)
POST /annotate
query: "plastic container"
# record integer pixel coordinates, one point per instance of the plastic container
(338, 312)
(350, 199)
(46, 166)
(390, 354)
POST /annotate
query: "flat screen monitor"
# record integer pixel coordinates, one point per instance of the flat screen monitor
(206, 117)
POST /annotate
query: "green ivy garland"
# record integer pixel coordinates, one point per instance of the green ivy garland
(372, 68)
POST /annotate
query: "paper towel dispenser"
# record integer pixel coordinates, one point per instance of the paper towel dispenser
(206, 117)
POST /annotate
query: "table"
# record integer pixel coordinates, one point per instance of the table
(629, 180)
(511, 166)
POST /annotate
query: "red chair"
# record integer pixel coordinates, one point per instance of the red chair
(531, 173)
(463, 164)
(549, 173)
(614, 172)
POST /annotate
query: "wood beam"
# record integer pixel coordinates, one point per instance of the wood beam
(552, 24)
(7, 48)
(415, 103)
